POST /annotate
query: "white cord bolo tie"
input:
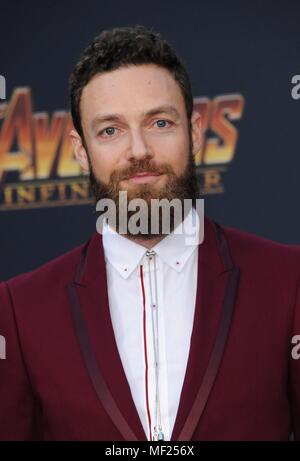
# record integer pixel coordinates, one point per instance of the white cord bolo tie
(158, 432)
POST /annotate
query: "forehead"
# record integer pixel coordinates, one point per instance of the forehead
(130, 90)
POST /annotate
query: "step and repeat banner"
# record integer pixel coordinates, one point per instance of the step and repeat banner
(244, 62)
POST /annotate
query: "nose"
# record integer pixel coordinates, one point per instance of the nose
(138, 148)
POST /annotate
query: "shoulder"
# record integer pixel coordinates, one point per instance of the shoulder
(50, 276)
(248, 248)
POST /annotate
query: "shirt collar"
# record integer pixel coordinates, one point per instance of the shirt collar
(174, 250)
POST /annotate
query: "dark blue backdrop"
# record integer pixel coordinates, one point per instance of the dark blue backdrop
(251, 48)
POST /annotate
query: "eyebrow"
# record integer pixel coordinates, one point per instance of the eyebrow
(168, 109)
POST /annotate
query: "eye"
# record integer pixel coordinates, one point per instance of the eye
(162, 123)
(110, 130)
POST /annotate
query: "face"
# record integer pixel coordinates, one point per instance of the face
(136, 134)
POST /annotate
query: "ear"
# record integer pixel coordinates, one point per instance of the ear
(80, 151)
(196, 124)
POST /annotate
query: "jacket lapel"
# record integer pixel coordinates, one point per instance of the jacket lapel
(91, 317)
(216, 291)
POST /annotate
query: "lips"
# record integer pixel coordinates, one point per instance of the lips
(145, 173)
(144, 177)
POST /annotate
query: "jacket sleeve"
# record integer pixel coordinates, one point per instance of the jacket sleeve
(295, 368)
(17, 403)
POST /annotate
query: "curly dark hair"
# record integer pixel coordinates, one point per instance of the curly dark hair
(121, 47)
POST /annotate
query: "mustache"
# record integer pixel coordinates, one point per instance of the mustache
(141, 166)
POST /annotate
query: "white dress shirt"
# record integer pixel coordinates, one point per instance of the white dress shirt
(127, 268)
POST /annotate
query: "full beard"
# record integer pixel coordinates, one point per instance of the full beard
(182, 187)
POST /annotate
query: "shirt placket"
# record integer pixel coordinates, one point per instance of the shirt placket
(156, 401)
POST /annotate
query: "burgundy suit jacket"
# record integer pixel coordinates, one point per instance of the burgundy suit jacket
(62, 378)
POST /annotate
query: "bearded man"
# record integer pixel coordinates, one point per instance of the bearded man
(143, 333)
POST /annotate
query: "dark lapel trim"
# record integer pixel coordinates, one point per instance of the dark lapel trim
(96, 377)
(220, 341)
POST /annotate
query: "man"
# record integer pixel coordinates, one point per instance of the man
(140, 335)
